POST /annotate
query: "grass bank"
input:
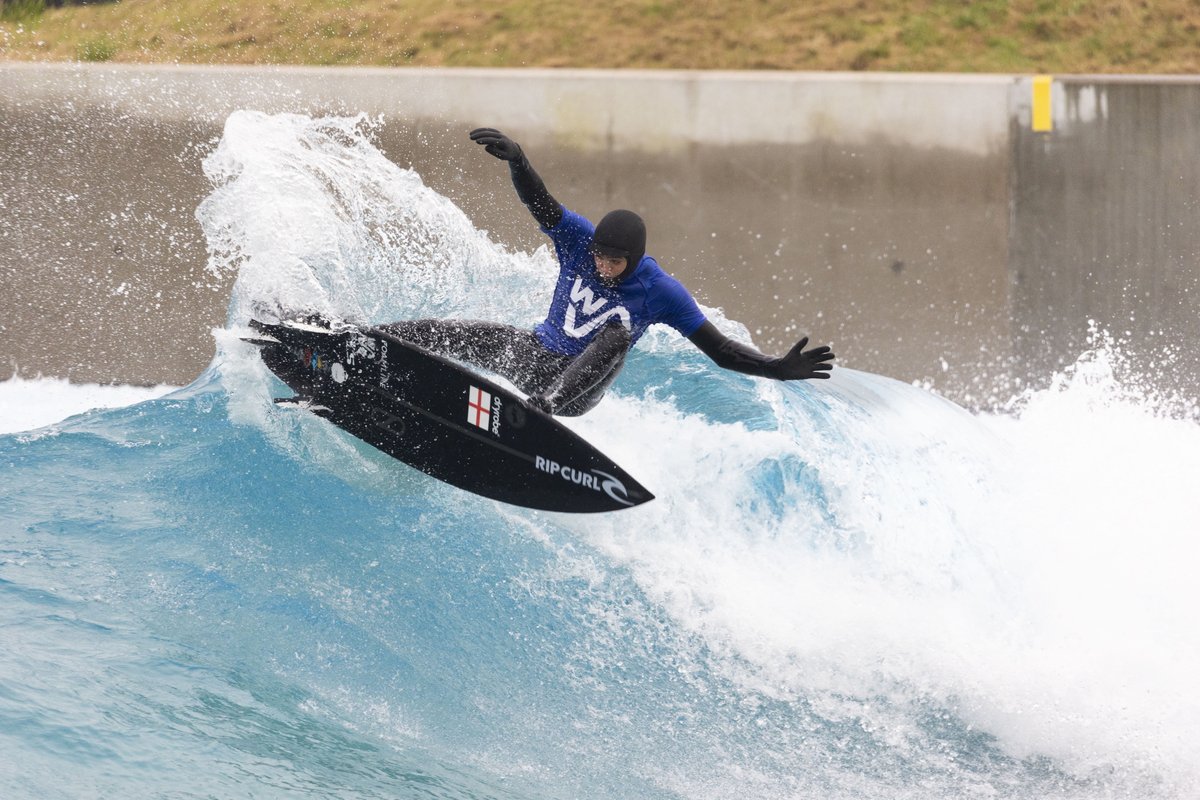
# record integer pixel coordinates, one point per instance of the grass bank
(1132, 36)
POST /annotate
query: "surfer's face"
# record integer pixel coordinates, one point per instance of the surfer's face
(609, 267)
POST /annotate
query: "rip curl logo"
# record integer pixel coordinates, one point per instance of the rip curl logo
(589, 305)
(596, 480)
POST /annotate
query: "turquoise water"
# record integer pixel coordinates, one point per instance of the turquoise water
(851, 589)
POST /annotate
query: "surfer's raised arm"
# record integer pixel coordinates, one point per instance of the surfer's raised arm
(533, 193)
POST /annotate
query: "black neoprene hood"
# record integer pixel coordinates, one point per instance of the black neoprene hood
(621, 234)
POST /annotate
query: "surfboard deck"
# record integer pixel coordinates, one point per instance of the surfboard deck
(442, 419)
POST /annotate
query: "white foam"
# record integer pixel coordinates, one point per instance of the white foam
(31, 403)
(864, 545)
(313, 216)
(1033, 574)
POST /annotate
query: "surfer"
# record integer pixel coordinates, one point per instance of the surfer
(608, 293)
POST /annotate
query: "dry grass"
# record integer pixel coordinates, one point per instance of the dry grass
(906, 35)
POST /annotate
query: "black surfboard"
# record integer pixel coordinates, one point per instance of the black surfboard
(442, 419)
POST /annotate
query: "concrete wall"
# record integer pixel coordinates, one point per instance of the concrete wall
(1105, 225)
(894, 215)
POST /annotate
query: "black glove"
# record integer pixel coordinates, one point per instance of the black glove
(497, 143)
(799, 364)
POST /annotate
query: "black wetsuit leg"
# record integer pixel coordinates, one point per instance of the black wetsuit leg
(569, 386)
(585, 380)
(512, 352)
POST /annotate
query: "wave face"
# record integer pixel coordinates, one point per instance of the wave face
(851, 589)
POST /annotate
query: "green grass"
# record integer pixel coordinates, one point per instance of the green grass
(21, 11)
(1052, 36)
(99, 48)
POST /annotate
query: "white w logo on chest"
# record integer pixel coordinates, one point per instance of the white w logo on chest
(589, 305)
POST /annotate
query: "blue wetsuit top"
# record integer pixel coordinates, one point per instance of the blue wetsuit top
(582, 303)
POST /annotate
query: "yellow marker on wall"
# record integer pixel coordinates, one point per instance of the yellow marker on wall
(1043, 120)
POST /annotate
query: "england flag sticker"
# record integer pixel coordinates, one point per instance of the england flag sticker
(479, 405)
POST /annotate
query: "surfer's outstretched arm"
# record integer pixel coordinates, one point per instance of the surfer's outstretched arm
(533, 193)
(798, 364)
